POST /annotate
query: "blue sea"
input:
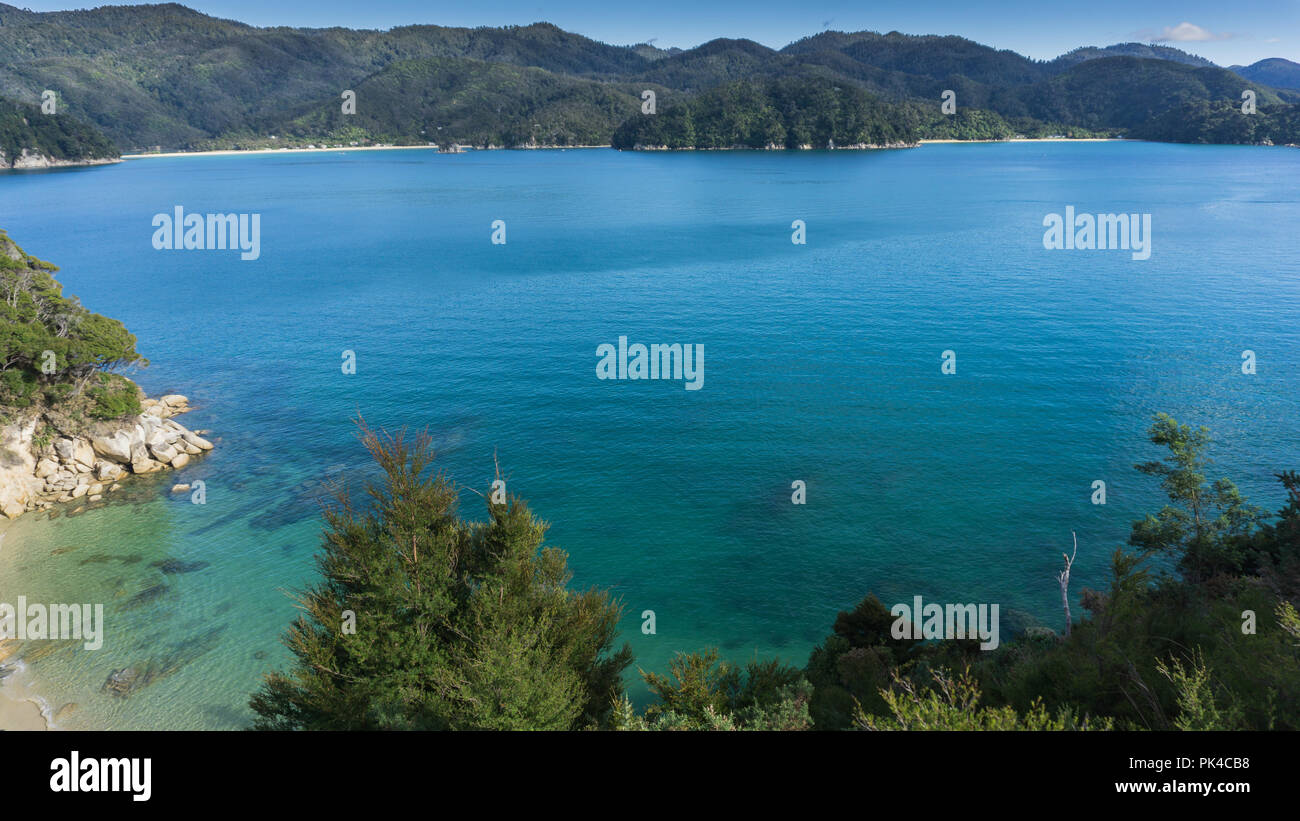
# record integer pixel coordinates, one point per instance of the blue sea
(822, 365)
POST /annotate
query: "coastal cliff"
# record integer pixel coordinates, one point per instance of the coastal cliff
(28, 159)
(47, 460)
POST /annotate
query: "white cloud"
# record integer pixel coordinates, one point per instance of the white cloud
(1186, 32)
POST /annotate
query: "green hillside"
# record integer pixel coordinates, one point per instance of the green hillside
(1143, 50)
(787, 113)
(169, 76)
(447, 99)
(24, 129)
(1274, 72)
(1125, 92)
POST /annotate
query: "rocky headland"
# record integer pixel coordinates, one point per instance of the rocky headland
(28, 159)
(48, 458)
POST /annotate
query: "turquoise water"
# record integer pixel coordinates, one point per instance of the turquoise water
(822, 364)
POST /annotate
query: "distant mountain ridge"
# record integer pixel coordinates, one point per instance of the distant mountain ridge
(1144, 50)
(1274, 71)
(169, 76)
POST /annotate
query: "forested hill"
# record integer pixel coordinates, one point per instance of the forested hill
(1144, 50)
(1274, 72)
(773, 113)
(29, 138)
(168, 76)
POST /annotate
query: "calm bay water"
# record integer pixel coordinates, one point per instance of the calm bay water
(822, 364)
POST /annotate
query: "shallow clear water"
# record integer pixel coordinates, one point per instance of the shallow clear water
(822, 364)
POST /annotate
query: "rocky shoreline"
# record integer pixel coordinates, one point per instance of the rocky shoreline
(33, 160)
(775, 147)
(37, 474)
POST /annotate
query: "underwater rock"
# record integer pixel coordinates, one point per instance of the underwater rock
(104, 558)
(130, 680)
(174, 566)
(149, 594)
(120, 683)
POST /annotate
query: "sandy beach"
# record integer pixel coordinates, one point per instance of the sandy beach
(17, 712)
(20, 715)
(247, 151)
(1035, 140)
(236, 151)
(242, 151)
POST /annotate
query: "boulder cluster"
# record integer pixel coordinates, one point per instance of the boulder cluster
(91, 465)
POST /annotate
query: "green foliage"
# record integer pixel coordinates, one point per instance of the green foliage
(168, 76)
(447, 99)
(697, 686)
(787, 711)
(18, 387)
(953, 703)
(1110, 665)
(459, 625)
(701, 693)
(43, 439)
(1146, 51)
(1124, 92)
(469, 625)
(1146, 655)
(1222, 121)
(1289, 620)
(1205, 524)
(1272, 71)
(849, 669)
(39, 327)
(1157, 652)
(24, 128)
(1196, 707)
(114, 397)
(625, 718)
(1275, 547)
(965, 124)
(782, 113)
(700, 683)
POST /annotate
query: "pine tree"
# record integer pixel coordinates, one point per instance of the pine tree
(458, 624)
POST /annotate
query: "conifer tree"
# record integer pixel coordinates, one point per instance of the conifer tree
(458, 624)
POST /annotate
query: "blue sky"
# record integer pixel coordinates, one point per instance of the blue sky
(1224, 32)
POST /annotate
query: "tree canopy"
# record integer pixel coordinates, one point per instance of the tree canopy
(424, 620)
(52, 344)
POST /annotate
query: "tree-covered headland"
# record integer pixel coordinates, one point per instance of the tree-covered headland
(54, 352)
